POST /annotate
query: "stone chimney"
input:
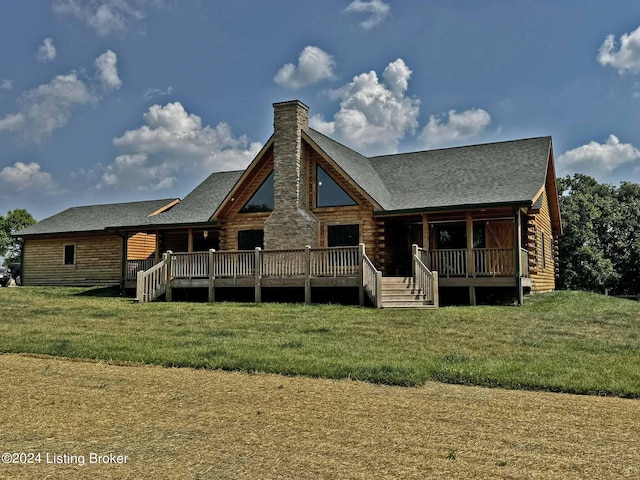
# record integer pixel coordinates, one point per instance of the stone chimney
(290, 225)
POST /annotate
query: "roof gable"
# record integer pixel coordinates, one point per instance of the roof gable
(96, 217)
(353, 165)
(495, 173)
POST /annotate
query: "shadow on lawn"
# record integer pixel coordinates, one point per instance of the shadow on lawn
(113, 291)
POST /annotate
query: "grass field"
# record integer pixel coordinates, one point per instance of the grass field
(198, 424)
(566, 341)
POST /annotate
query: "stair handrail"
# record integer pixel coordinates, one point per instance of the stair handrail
(372, 281)
(150, 284)
(426, 280)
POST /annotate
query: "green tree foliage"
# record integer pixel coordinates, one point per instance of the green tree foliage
(600, 247)
(15, 221)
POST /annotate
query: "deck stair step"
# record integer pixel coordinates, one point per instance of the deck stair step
(402, 292)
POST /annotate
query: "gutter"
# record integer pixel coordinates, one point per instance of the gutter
(449, 208)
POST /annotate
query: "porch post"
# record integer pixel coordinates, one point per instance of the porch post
(307, 274)
(123, 263)
(471, 270)
(517, 260)
(361, 274)
(190, 240)
(212, 275)
(425, 238)
(157, 255)
(471, 264)
(168, 294)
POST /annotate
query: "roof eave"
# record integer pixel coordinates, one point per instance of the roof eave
(450, 208)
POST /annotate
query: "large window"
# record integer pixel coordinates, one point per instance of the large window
(329, 193)
(262, 200)
(250, 239)
(343, 235)
(69, 254)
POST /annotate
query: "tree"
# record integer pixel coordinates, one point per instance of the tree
(15, 221)
(600, 247)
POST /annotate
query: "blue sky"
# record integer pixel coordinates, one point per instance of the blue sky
(105, 101)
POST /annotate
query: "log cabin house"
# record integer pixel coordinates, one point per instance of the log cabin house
(308, 212)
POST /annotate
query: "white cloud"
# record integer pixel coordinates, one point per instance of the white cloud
(598, 158)
(46, 51)
(106, 65)
(28, 176)
(48, 107)
(105, 17)
(374, 115)
(6, 84)
(376, 9)
(314, 65)
(173, 142)
(156, 92)
(627, 57)
(460, 126)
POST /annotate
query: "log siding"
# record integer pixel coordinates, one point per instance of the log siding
(98, 260)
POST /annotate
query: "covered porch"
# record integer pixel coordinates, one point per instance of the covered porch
(474, 248)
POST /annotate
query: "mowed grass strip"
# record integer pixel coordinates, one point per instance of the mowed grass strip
(572, 342)
(197, 424)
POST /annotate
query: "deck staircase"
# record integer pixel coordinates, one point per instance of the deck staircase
(403, 292)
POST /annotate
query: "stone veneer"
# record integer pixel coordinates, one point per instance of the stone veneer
(290, 225)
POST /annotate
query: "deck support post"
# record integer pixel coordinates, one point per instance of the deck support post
(258, 276)
(212, 276)
(517, 259)
(361, 274)
(307, 274)
(471, 270)
(472, 296)
(168, 294)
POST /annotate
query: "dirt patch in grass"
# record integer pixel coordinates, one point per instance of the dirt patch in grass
(197, 424)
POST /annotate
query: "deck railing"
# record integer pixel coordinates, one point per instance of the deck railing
(335, 261)
(316, 262)
(151, 283)
(449, 262)
(426, 280)
(135, 266)
(487, 262)
(234, 264)
(190, 265)
(372, 281)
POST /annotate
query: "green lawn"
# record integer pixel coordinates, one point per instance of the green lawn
(565, 341)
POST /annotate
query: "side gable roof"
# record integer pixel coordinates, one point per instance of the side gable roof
(94, 218)
(355, 165)
(496, 173)
(199, 205)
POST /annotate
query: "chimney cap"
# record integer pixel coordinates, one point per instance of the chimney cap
(290, 102)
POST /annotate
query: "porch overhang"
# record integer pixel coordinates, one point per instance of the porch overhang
(452, 208)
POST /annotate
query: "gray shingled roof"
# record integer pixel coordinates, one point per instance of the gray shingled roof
(96, 217)
(355, 165)
(200, 204)
(495, 173)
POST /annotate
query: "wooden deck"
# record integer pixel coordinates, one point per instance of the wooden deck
(307, 268)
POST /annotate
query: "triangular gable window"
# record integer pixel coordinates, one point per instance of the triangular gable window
(329, 193)
(262, 200)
